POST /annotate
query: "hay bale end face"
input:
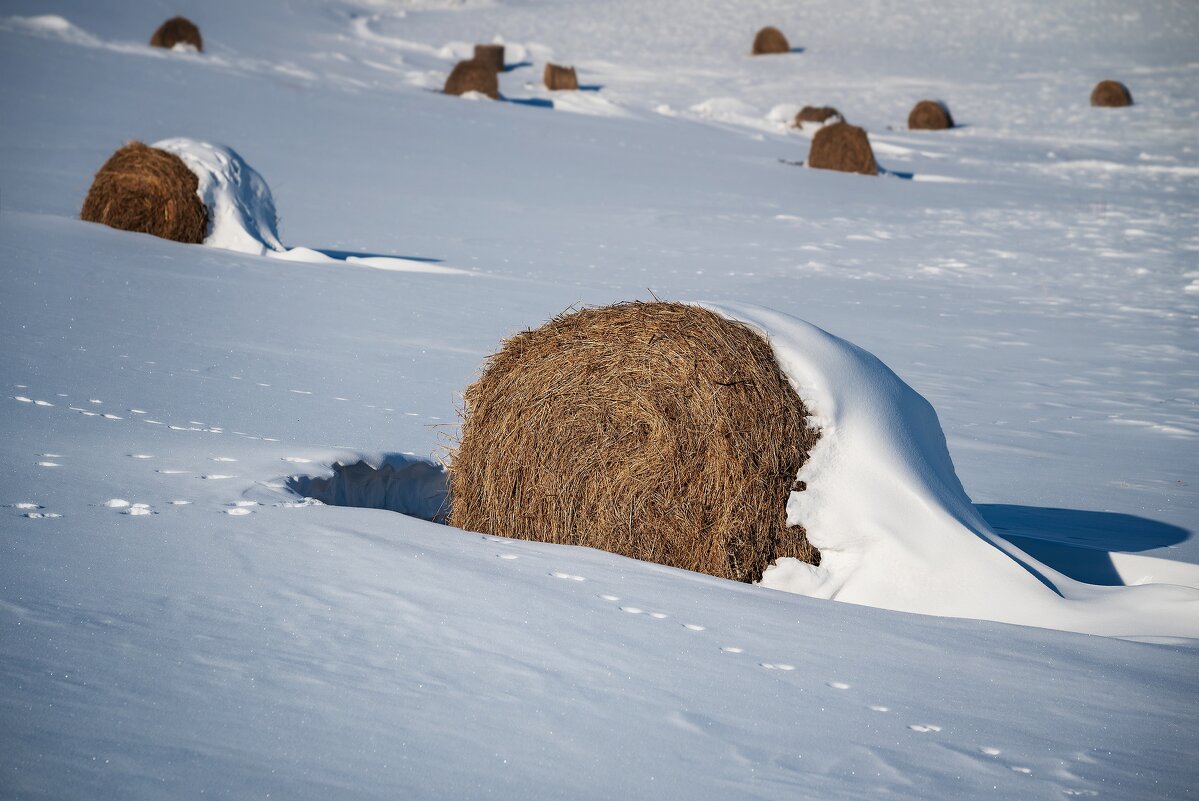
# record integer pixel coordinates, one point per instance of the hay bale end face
(492, 55)
(1111, 94)
(929, 115)
(770, 40)
(560, 78)
(150, 191)
(177, 30)
(473, 76)
(817, 115)
(842, 147)
(658, 431)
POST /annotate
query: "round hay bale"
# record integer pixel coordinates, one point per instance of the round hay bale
(1111, 94)
(492, 55)
(842, 147)
(658, 431)
(770, 40)
(929, 115)
(150, 191)
(177, 30)
(473, 76)
(817, 115)
(560, 78)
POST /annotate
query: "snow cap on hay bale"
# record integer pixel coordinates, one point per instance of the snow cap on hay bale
(770, 40)
(491, 55)
(842, 147)
(929, 115)
(817, 115)
(473, 76)
(658, 431)
(1112, 94)
(177, 30)
(560, 78)
(150, 191)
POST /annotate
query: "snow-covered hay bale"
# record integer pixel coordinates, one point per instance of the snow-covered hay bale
(814, 116)
(842, 147)
(177, 30)
(659, 431)
(491, 55)
(150, 191)
(929, 115)
(1111, 94)
(560, 78)
(770, 40)
(473, 76)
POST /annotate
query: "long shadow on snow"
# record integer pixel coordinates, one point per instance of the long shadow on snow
(342, 255)
(396, 482)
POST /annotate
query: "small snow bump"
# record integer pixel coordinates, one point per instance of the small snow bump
(117, 503)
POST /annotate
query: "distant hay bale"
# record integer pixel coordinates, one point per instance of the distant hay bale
(929, 115)
(842, 147)
(150, 191)
(817, 115)
(560, 78)
(770, 40)
(658, 431)
(177, 30)
(473, 76)
(1111, 94)
(492, 55)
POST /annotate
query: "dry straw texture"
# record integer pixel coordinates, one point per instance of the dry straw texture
(770, 40)
(817, 115)
(842, 147)
(472, 76)
(150, 191)
(1111, 93)
(558, 78)
(929, 115)
(176, 30)
(659, 431)
(491, 55)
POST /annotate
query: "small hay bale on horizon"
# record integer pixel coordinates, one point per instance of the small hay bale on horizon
(842, 147)
(473, 76)
(817, 115)
(658, 431)
(930, 115)
(770, 41)
(1111, 94)
(149, 191)
(175, 31)
(490, 54)
(558, 78)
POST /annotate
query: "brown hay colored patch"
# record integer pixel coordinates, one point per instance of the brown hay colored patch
(842, 147)
(1111, 94)
(473, 76)
(770, 40)
(149, 191)
(818, 115)
(176, 30)
(560, 78)
(491, 55)
(658, 431)
(929, 115)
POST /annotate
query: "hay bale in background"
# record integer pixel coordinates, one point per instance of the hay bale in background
(150, 191)
(929, 115)
(842, 147)
(1111, 94)
(177, 30)
(559, 78)
(492, 55)
(659, 431)
(817, 115)
(473, 76)
(770, 40)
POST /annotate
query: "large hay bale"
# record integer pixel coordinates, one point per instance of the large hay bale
(1111, 94)
(770, 40)
(659, 431)
(472, 76)
(842, 147)
(491, 55)
(560, 78)
(817, 115)
(150, 191)
(177, 30)
(929, 115)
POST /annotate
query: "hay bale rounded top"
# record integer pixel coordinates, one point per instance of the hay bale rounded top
(817, 115)
(929, 115)
(150, 191)
(842, 147)
(1111, 94)
(770, 40)
(177, 30)
(659, 431)
(490, 54)
(473, 76)
(559, 78)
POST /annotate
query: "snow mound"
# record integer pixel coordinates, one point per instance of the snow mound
(893, 523)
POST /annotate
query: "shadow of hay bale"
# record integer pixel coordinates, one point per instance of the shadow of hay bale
(398, 482)
(930, 115)
(1111, 94)
(150, 191)
(177, 30)
(560, 78)
(770, 41)
(842, 147)
(473, 76)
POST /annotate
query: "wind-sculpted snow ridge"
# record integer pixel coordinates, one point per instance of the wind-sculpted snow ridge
(893, 523)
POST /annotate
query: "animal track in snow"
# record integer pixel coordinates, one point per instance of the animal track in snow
(22, 399)
(838, 685)
(223, 459)
(42, 515)
(731, 649)
(924, 728)
(632, 610)
(693, 626)
(659, 615)
(877, 708)
(141, 456)
(507, 556)
(568, 576)
(1025, 771)
(24, 505)
(108, 416)
(237, 511)
(610, 597)
(139, 509)
(42, 403)
(989, 751)
(48, 464)
(296, 459)
(216, 477)
(243, 504)
(117, 503)
(180, 503)
(170, 472)
(777, 666)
